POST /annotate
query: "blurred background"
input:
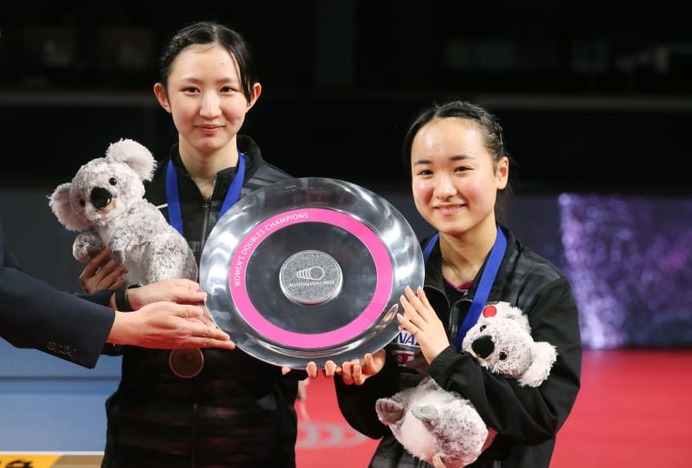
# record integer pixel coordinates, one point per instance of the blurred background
(593, 95)
(595, 99)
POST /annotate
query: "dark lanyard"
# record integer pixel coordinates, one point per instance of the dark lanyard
(175, 216)
(486, 283)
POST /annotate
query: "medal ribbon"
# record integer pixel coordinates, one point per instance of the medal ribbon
(175, 216)
(486, 282)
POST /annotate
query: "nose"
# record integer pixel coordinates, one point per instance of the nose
(483, 346)
(100, 198)
(210, 105)
(444, 188)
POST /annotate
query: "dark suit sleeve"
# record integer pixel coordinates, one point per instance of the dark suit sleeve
(33, 314)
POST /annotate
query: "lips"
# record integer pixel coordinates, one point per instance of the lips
(209, 129)
(447, 210)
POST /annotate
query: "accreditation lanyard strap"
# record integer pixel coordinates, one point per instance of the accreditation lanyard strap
(175, 216)
(480, 298)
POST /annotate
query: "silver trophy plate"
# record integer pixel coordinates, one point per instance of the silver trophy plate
(310, 269)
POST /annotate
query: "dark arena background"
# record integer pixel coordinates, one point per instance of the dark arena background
(596, 103)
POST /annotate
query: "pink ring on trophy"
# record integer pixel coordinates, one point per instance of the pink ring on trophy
(313, 286)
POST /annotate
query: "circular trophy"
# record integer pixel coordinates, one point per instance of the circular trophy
(310, 269)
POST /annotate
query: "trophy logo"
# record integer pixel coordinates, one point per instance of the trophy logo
(310, 277)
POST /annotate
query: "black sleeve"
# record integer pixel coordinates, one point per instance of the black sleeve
(357, 402)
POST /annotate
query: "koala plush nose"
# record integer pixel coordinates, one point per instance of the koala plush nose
(483, 346)
(100, 198)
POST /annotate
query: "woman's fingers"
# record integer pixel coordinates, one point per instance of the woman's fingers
(102, 272)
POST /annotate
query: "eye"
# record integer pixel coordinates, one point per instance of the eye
(462, 169)
(113, 181)
(502, 356)
(82, 202)
(482, 327)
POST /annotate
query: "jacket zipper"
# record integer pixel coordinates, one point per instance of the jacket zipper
(205, 225)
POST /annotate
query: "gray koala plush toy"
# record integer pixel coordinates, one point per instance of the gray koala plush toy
(442, 427)
(105, 204)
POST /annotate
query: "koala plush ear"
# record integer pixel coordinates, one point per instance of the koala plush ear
(506, 310)
(135, 155)
(544, 356)
(59, 202)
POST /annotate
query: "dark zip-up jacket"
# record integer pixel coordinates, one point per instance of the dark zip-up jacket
(239, 411)
(527, 419)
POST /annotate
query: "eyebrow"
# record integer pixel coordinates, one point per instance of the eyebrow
(455, 157)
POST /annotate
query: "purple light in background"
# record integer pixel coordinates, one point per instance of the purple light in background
(629, 263)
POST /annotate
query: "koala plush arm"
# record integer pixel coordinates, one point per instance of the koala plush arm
(86, 246)
(544, 356)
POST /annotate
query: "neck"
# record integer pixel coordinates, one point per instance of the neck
(205, 166)
(463, 256)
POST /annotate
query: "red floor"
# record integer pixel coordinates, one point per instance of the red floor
(633, 410)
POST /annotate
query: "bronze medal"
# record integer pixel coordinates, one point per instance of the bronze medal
(186, 363)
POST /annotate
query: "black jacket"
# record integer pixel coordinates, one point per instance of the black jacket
(527, 419)
(238, 411)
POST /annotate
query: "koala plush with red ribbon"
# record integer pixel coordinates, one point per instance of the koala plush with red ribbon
(501, 341)
(442, 427)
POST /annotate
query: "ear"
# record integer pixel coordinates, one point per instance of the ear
(135, 155)
(256, 91)
(59, 202)
(502, 173)
(162, 97)
(544, 356)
